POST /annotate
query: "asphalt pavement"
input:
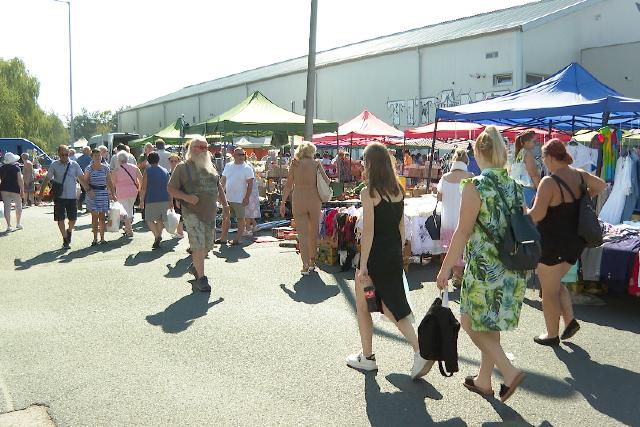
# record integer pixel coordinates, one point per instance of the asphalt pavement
(114, 336)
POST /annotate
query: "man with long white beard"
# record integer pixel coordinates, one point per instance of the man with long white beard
(197, 184)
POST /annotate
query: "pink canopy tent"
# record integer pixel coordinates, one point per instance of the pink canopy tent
(359, 131)
(543, 135)
(446, 130)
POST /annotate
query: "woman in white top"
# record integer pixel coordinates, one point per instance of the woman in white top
(525, 169)
(450, 195)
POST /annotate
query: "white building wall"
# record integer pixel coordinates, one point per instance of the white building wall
(128, 122)
(553, 45)
(283, 90)
(214, 103)
(187, 106)
(618, 66)
(151, 119)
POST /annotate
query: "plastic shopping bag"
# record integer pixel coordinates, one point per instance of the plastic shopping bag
(113, 225)
(171, 224)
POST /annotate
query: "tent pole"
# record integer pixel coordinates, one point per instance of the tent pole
(433, 149)
(573, 125)
(350, 146)
(550, 127)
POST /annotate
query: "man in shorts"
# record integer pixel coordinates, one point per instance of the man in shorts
(197, 184)
(237, 179)
(66, 204)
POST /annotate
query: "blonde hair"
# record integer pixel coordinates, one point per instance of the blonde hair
(460, 155)
(305, 149)
(490, 146)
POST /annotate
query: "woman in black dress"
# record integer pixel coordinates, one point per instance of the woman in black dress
(381, 259)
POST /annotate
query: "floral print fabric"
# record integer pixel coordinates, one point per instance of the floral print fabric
(491, 295)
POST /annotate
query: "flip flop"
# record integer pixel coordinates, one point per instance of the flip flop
(233, 243)
(507, 391)
(471, 386)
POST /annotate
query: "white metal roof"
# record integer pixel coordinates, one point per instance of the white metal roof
(523, 16)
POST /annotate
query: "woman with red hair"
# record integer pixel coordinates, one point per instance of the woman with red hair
(555, 210)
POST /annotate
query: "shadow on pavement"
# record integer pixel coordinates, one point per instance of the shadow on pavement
(89, 250)
(43, 258)
(609, 389)
(618, 313)
(181, 314)
(179, 269)
(232, 254)
(151, 255)
(509, 416)
(311, 289)
(405, 407)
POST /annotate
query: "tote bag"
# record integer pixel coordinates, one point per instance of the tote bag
(325, 192)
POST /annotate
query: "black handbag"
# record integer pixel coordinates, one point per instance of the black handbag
(57, 187)
(433, 224)
(519, 249)
(589, 227)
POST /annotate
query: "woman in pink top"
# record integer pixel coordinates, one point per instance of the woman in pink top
(127, 179)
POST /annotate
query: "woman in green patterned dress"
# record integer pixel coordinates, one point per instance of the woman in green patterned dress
(491, 296)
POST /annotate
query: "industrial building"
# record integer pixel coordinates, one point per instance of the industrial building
(402, 78)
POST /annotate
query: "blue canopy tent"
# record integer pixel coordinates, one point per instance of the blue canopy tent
(570, 99)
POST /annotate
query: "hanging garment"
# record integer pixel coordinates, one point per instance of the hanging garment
(633, 197)
(583, 157)
(609, 153)
(612, 210)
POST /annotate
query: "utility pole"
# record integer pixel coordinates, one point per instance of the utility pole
(311, 74)
(71, 124)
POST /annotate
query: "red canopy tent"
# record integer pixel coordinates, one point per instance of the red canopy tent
(359, 131)
(446, 130)
(543, 135)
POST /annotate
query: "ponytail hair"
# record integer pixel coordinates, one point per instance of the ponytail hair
(522, 138)
(556, 149)
(490, 146)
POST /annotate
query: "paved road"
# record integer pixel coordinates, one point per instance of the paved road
(114, 336)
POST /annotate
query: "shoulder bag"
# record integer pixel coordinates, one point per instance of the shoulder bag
(57, 187)
(519, 248)
(324, 190)
(137, 202)
(433, 224)
(588, 223)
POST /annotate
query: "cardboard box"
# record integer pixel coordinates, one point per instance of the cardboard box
(327, 255)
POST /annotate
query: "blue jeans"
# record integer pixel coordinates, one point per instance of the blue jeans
(529, 195)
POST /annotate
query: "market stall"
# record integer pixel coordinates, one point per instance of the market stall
(573, 99)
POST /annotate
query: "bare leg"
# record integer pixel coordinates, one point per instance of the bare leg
(365, 324)
(314, 225)
(240, 231)
(127, 226)
(94, 225)
(198, 261)
(72, 224)
(566, 305)
(101, 218)
(302, 227)
(489, 345)
(18, 211)
(550, 277)
(180, 229)
(405, 327)
(226, 223)
(62, 228)
(153, 228)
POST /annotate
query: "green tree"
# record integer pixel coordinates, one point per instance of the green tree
(20, 114)
(90, 123)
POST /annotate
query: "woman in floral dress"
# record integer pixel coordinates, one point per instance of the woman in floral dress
(491, 295)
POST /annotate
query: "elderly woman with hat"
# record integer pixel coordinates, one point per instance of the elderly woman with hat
(11, 188)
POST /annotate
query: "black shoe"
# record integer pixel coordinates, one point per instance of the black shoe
(156, 243)
(570, 330)
(69, 236)
(94, 243)
(65, 243)
(202, 284)
(552, 342)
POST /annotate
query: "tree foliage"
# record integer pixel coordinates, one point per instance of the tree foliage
(90, 123)
(20, 114)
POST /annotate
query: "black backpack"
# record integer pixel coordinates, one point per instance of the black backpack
(438, 337)
(519, 249)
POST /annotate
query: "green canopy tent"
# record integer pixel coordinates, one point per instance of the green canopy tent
(170, 135)
(258, 116)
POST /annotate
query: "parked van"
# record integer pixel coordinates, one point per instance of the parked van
(111, 140)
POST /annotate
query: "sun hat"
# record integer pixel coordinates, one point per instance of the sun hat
(10, 158)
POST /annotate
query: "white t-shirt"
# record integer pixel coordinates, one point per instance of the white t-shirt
(583, 157)
(164, 159)
(236, 180)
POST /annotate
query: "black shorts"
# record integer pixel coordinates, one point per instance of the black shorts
(65, 206)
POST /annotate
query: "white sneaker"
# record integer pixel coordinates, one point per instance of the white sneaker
(421, 367)
(19, 227)
(9, 229)
(358, 361)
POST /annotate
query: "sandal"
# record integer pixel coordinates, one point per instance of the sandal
(470, 384)
(507, 391)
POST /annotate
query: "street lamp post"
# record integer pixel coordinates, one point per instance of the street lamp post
(71, 124)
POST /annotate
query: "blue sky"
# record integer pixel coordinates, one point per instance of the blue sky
(126, 52)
